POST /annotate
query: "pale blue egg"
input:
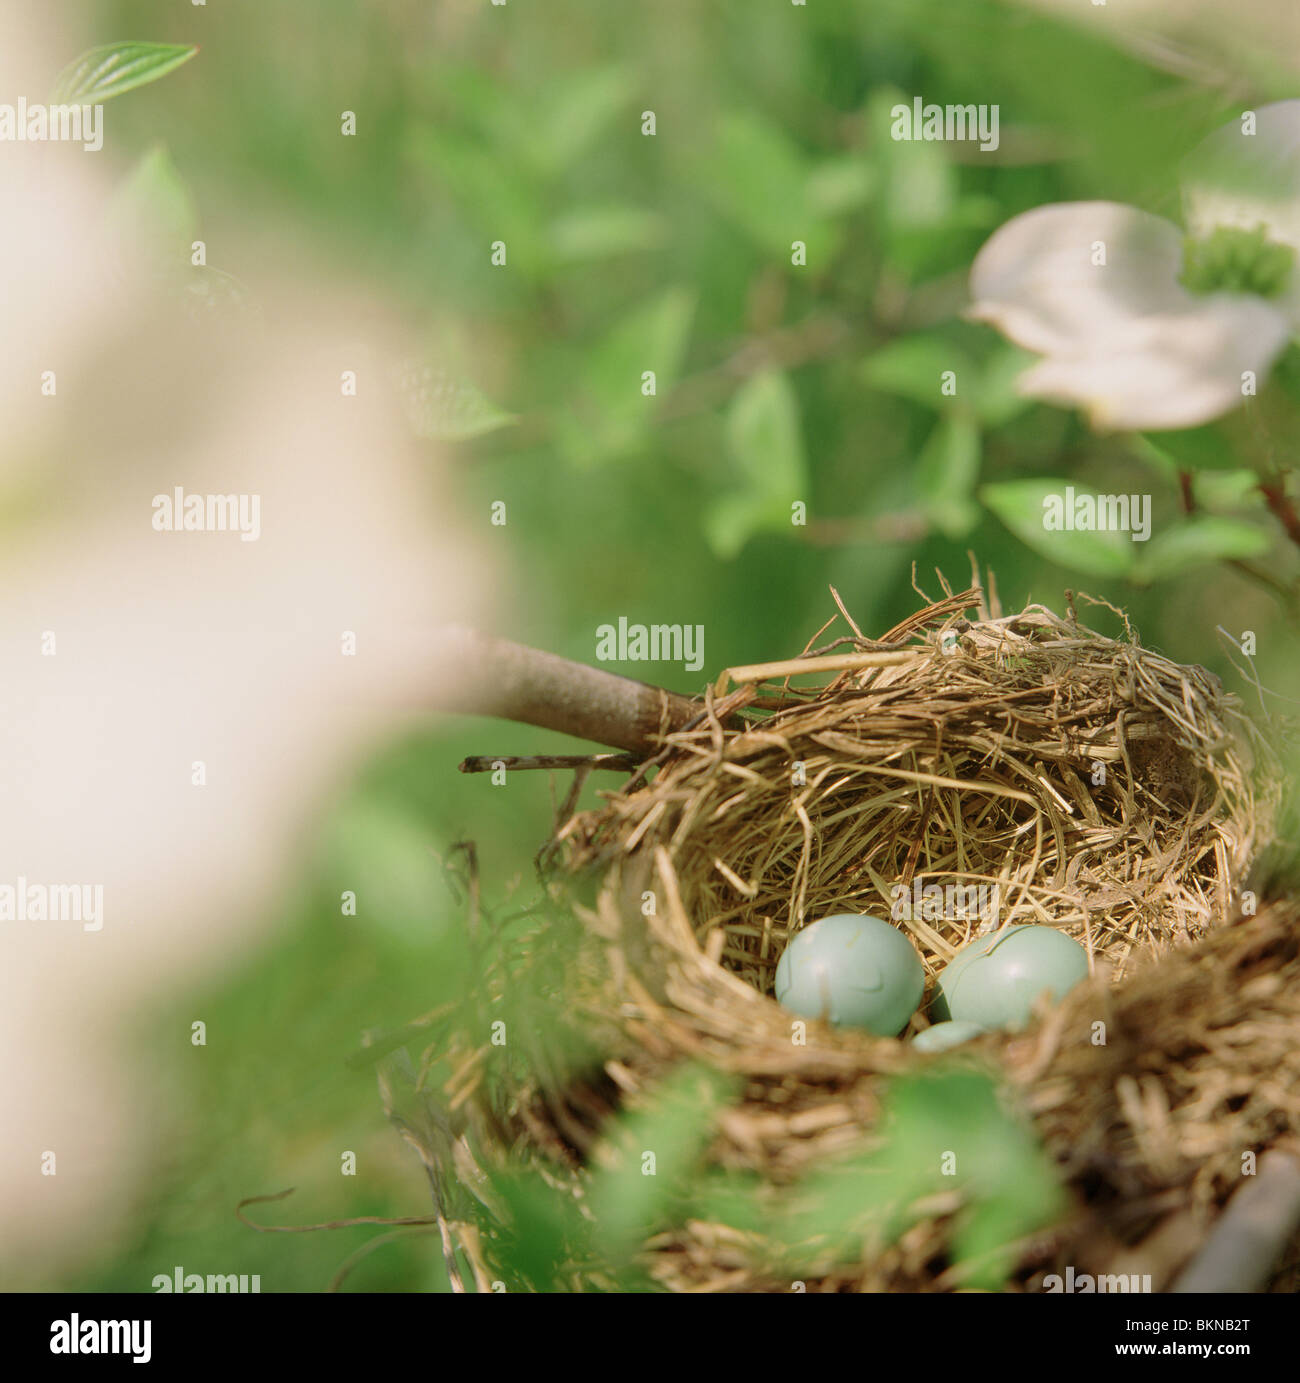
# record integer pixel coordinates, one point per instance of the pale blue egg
(995, 980)
(853, 971)
(938, 1037)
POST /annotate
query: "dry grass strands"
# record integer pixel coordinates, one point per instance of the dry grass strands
(1024, 769)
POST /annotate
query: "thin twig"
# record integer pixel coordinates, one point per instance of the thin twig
(488, 763)
(326, 1224)
(366, 1250)
(1264, 578)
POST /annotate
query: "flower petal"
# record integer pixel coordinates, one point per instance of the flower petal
(1174, 370)
(1038, 282)
(1248, 180)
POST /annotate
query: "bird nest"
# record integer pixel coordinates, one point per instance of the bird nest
(955, 776)
(1020, 770)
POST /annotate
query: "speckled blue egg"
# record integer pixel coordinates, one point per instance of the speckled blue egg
(853, 971)
(994, 981)
(939, 1037)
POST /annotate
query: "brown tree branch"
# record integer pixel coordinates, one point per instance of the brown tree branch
(1282, 506)
(1185, 492)
(487, 676)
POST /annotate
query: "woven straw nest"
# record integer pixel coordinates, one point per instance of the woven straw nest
(1098, 786)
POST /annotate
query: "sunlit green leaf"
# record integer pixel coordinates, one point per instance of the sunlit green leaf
(764, 438)
(613, 406)
(651, 1158)
(1023, 505)
(584, 106)
(445, 409)
(599, 232)
(380, 852)
(919, 367)
(947, 470)
(997, 399)
(115, 68)
(1228, 490)
(919, 184)
(766, 447)
(499, 203)
(948, 1131)
(153, 211)
(765, 443)
(840, 184)
(1196, 541)
(1196, 448)
(732, 520)
(761, 180)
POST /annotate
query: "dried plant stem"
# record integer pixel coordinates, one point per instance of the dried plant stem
(494, 677)
(795, 667)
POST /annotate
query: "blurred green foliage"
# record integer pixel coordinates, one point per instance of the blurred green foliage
(776, 383)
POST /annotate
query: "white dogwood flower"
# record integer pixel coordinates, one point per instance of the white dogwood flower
(1144, 325)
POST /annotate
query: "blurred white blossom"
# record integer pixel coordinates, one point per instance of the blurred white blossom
(130, 654)
(1144, 325)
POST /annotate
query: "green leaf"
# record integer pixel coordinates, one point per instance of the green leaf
(946, 474)
(761, 180)
(499, 203)
(949, 1130)
(651, 1158)
(766, 444)
(152, 209)
(1228, 490)
(1195, 448)
(102, 73)
(920, 186)
(997, 399)
(914, 368)
(1285, 374)
(1194, 542)
(763, 436)
(539, 1230)
(610, 415)
(732, 520)
(840, 184)
(445, 409)
(389, 853)
(1023, 506)
(599, 232)
(585, 104)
